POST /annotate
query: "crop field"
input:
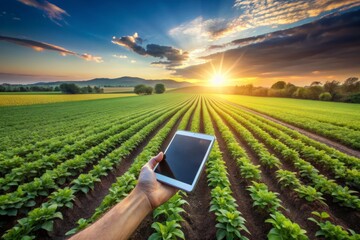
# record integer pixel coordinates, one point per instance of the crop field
(338, 121)
(16, 99)
(63, 165)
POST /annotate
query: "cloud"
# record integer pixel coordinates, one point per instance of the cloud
(131, 42)
(173, 57)
(53, 12)
(329, 45)
(277, 12)
(41, 46)
(120, 56)
(252, 14)
(200, 28)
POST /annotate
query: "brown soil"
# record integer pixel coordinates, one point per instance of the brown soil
(309, 134)
(199, 222)
(85, 204)
(255, 221)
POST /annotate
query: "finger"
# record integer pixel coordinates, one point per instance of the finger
(155, 160)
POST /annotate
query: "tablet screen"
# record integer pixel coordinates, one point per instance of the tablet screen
(183, 158)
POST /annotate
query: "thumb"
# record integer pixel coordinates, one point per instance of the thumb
(155, 160)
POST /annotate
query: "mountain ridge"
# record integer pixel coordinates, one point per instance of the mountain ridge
(125, 81)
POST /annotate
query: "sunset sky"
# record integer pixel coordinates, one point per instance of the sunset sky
(243, 42)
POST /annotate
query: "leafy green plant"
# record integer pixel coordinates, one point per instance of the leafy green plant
(229, 225)
(81, 224)
(84, 182)
(264, 199)
(329, 230)
(62, 197)
(310, 194)
(167, 231)
(287, 178)
(283, 228)
(250, 171)
(40, 218)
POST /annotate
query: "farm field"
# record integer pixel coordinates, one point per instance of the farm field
(338, 121)
(65, 164)
(17, 99)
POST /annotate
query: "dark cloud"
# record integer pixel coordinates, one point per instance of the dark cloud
(40, 46)
(53, 12)
(329, 44)
(173, 57)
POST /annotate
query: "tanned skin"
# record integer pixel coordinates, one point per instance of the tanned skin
(122, 220)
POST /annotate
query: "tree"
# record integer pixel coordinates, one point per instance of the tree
(351, 84)
(313, 92)
(159, 88)
(69, 88)
(148, 90)
(325, 96)
(290, 89)
(331, 86)
(139, 89)
(279, 85)
(315, 83)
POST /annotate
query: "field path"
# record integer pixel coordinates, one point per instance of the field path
(309, 134)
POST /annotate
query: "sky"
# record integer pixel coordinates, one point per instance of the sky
(206, 42)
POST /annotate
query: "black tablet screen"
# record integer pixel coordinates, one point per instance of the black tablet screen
(183, 158)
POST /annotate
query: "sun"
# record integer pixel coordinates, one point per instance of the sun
(218, 79)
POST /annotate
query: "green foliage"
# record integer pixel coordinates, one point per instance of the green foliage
(159, 88)
(70, 88)
(229, 225)
(325, 96)
(264, 199)
(309, 193)
(287, 178)
(331, 231)
(283, 228)
(125, 183)
(278, 85)
(250, 171)
(62, 197)
(143, 89)
(169, 231)
(41, 218)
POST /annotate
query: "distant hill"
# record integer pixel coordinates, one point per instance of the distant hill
(122, 81)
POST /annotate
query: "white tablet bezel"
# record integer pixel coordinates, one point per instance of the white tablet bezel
(179, 184)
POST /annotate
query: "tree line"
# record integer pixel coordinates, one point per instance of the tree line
(347, 91)
(142, 89)
(68, 88)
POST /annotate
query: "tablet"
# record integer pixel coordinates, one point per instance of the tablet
(184, 159)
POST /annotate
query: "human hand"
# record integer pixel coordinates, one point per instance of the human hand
(156, 192)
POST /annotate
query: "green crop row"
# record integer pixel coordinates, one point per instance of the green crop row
(125, 183)
(343, 195)
(30, 170)
(170, 211)
(350, 161)
(263, 199)
(230, 223)
(23, 197)
(55, 123)
(267, 159)
(310, 153)
(15, 157)
(31, 152)
(86, 181)
(330, 122)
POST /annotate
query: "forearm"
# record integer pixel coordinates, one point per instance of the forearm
(121, 221)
